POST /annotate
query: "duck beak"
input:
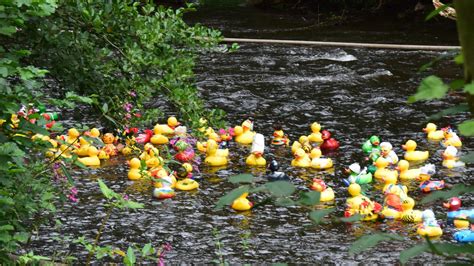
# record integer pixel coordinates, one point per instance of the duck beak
(425, 129)
(446, 205)
(397, 168)
(404, 147)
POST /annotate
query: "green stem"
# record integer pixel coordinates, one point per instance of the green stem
(99, 234)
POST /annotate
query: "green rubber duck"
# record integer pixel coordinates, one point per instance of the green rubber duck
(371, 144)
(356, 175)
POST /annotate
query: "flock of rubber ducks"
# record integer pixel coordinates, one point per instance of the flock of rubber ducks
(383, 165)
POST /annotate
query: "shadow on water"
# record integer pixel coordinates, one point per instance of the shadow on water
(352, 92)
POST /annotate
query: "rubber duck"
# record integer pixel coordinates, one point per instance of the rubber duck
(405, 173)
(158, 138)
(212, 158)
(356, 175)
(371, 145)
(305, 143)
(360, 204)
(426, 184)
(63, 151)
(165, 189)
(295, 146)
(451, 138)
(315, 135)
(450, 160)
(387, 153)
(258, 145)
(432, 133)
(167, 129)
(408, 214)
(245, 135)
(430, 226)
(301, 159)
(109, 146)
(382, 172)
(225, 136)
(371, 159)
(93, 133)
(92, 159)
(329, 144)
(279, 137)
(83, 149)
(464, 236)
(134, 172)
(185, 152)
(185, 182)
(72, 136)
(391, 187)
(319, 163)
(327, 194)
(274, 174)
(454, 209)
(411, 154)
(242, 203)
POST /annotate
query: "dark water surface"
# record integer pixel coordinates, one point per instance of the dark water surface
(352, 92)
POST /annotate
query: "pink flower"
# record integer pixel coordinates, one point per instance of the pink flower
(127, 107)
(128, 116)
(133, 93)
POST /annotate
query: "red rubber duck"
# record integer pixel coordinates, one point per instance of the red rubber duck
(329, 144)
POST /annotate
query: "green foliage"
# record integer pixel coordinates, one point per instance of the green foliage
(431, 87)
(438, 10)
(318, 215)
(132, 57)
(466, 128)
(455, 191)
(231, 196)
(369, 241)
(117, 200)
(243, 178)
(280, 188)
(450, 111)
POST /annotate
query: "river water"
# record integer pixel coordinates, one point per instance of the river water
(354, 93)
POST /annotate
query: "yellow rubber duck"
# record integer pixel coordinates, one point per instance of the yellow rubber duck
(451, 138)
(109, 147)
(430, 226)
(242, 203)
(450, 159)
(408, 214)
(256, 156)
(83, 149)
(382, 172)
(72, 135)
(54, 144)
(103, 155)
(295, 146)
(93, 133)
(327, 193)
(279, 138)
(187, 183)
(411, 154)
(244, 135)
(301, 159)
(315, 136)
(319, 163)
(361, 204)
(158, 138)
(405, 173)
(212, 158)
(134, 172)
(167, 129)
(92, 159)
(433, 134)
(391, 187)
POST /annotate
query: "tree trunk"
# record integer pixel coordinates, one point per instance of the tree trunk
(465, 25)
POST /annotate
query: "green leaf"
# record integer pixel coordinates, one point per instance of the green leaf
(310, 198)
(106, 191)
(285, 202)
(466, 128)
(469, 88)
(7, 30)
(7, 227)
(280, 188)
(468, 158)
(437, 11)
(456, 84)
(455, 191)
(369, 241)
(133, 205)
(105, 108)
(242, 178)
(318, 215)
(146, 250)
(67, 174)
(459, 59)
(21, 237)
(82, 99)
(130, 259)
(352, 218)
(431, 87)
(231, 196)
(414, 251)
(3, 71)
(464, 107)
